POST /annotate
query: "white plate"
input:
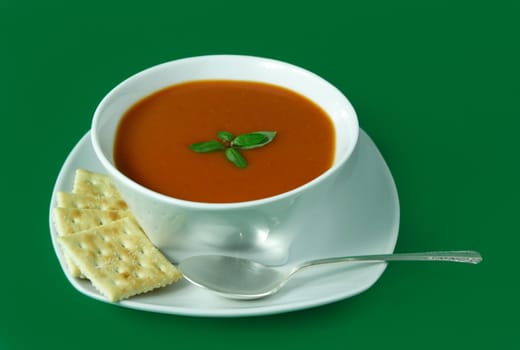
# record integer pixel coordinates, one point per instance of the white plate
(362, 217)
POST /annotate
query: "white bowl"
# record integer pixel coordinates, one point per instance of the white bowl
(260, 228)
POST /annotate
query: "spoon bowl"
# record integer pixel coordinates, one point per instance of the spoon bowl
(239, 278)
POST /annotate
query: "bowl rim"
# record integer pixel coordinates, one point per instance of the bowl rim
(121, 177)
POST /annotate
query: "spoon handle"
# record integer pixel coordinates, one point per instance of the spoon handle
(463, 256)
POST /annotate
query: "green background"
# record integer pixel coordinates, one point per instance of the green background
(435, 84)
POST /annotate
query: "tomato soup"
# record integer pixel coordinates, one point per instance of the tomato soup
(152, 145)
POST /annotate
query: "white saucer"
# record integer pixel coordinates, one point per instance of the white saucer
(362, 217)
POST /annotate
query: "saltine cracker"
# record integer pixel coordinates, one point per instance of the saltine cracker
(119, 259)
(83, 201)
(94, 184)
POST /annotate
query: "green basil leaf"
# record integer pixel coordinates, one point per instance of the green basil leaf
(225, 136)
(236, 158)
(207, 146)
(253, 139)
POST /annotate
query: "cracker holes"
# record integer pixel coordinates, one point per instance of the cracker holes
(103, 252)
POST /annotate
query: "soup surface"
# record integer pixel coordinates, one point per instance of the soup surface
(153, 138)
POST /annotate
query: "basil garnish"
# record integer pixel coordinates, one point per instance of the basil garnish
(207, 146)
(234, 156)
(231, 145)
(253, 139)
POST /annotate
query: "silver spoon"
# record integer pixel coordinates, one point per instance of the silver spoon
(238, 278)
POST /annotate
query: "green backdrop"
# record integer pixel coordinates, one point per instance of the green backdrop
(435, 84)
